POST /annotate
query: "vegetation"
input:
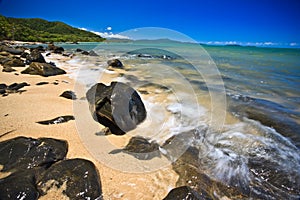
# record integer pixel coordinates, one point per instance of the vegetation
(39, 30)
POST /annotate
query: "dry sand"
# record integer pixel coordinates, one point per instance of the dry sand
(20, 112)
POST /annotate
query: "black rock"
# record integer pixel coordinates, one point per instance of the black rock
(10, 50)
(68, 95)
(115, 63)
(42, 83)
(48, 54)
(43, 69)
(85, 53)
(8, 69)
(56, 49)
(78, 50)
(17, 86)
(184, 192)
(15, 62)
(80, 176)
(140, 148)
(22, 153)
(35, 56)
(20, 185)
(93, 53)
(24, 55)
(118, 107)
(57, 120)
(40, 49)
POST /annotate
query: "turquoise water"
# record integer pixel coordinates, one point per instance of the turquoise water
(257, 152)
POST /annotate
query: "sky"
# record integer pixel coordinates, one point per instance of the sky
(248, 22)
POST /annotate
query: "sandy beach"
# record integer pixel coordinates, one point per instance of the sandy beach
(20, 111)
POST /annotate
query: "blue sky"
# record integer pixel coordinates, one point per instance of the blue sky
(261, 22)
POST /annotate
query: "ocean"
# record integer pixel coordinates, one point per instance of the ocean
(241, 104)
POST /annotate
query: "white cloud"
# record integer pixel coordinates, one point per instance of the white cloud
(83, 29)
(293, 44)
(107, 34)
(243, 43)
(110, 35)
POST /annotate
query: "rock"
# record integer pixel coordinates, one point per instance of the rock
(10, 50)
(80, 177)
(42, 83)
(48, 54)
(57, 120)
(184, 192)
(68, 95)
(15, 62)
(24, 55)
(93, 53)
(269, 114)
(43, 69)
(56, 49)
(140, 148)
(17, 86)
(118, 107)
(115, 63)
(8, 69)
(13, 88)
(85, 53)
(78, 50)
(20, 185)
(40, 49)
(191, 175)
(35, 56)
(22, 153)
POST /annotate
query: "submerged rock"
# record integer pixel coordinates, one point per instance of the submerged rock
(80, 177)
(185, 192)
(43, 69)
(93, 53)
(69, 95)
(269, 114)
(25, 153)
(118, 107)
(116, 63)
(35, 56)
(57, 120)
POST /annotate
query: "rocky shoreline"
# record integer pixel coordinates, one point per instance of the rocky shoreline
(42, 152)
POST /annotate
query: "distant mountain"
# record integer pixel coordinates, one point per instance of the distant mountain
(40, 30)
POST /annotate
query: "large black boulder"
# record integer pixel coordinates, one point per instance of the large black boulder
(80, 176)
(43, 69)
(25, 153)
(35, 56)
(118, 107)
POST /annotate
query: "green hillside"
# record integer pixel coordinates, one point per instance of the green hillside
(39, 30)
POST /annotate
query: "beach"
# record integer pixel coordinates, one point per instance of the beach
(20, 112)
(206, 133)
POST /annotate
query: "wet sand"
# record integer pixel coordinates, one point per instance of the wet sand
(20, 112)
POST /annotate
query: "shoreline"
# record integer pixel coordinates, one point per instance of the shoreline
(20, 112)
